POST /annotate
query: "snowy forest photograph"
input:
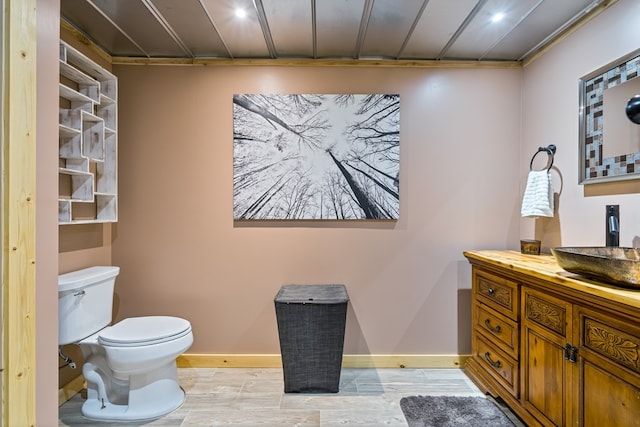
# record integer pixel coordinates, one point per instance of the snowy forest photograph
(316, 156)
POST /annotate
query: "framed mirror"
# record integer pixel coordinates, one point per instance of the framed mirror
(609, 136)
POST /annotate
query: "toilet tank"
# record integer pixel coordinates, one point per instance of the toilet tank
(85, 302)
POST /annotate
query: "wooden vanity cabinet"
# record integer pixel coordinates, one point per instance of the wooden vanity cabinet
(559, 350)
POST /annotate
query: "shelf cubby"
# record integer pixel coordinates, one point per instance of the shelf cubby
(88, 152)
(70, 141)
(107, 111)
(92, 137)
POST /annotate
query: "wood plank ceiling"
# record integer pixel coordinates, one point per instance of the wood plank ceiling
(327, 29)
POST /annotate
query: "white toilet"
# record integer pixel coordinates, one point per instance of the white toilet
(130, 367)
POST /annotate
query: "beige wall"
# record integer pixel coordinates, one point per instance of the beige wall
(464, 148)
(181, 253)
(550, 116)
(46, 315)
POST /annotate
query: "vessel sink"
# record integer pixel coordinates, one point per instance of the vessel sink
(620, 266)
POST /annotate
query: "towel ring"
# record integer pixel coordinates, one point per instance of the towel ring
(550, 150)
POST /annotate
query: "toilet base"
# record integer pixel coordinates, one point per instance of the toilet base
(150, 395)
(92, 409)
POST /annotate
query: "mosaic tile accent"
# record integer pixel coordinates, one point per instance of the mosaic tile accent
(595, 165)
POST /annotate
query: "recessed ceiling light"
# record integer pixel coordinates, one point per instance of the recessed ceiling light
(497, 17)
(241, 13)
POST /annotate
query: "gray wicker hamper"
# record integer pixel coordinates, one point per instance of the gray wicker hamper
(311, 324)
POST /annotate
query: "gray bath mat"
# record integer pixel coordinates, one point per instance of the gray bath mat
(452, 411)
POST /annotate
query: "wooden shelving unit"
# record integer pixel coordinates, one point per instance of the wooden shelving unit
(88, 136)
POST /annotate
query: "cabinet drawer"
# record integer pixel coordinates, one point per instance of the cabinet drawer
(546, 311)
(497, 363)
(499, 329)
(616, 341)
(497, 292)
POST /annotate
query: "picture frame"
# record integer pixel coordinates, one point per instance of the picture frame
(602, 117)
(316, 157)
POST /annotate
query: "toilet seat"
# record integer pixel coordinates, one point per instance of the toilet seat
(143, 331)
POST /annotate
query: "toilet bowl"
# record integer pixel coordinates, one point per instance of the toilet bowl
(130, 367)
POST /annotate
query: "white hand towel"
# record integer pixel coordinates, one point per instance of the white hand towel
(538, 196)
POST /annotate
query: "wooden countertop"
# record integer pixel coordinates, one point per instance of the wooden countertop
(545, 267)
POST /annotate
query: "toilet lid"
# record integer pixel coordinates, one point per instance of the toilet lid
(140, 331)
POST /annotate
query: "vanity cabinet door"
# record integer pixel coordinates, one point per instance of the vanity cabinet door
(608, 378)
(546, 372)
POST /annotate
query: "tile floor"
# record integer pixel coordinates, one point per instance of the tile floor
(255, 397)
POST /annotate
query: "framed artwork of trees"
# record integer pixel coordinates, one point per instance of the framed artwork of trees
(316, 156)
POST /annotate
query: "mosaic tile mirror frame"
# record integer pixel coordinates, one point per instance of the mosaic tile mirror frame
(602, 161)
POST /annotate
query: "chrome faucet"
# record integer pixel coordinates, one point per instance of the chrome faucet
(613, 225)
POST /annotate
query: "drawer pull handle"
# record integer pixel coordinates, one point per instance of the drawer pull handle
(497, 364)
(496, 330)
(490, 291)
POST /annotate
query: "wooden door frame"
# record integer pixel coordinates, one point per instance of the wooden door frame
(18, 212)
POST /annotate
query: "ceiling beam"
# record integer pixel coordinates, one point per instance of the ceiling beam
(264, 24)
(84, 39)
(462, 27)
(105, 16)
(364, 24)
(290, 62)
(412, 29)
(153, 10)
(585, 15)
(215, 28)
(314, 34)
(522, 18)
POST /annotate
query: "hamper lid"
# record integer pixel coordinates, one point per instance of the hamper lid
(312, 294)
